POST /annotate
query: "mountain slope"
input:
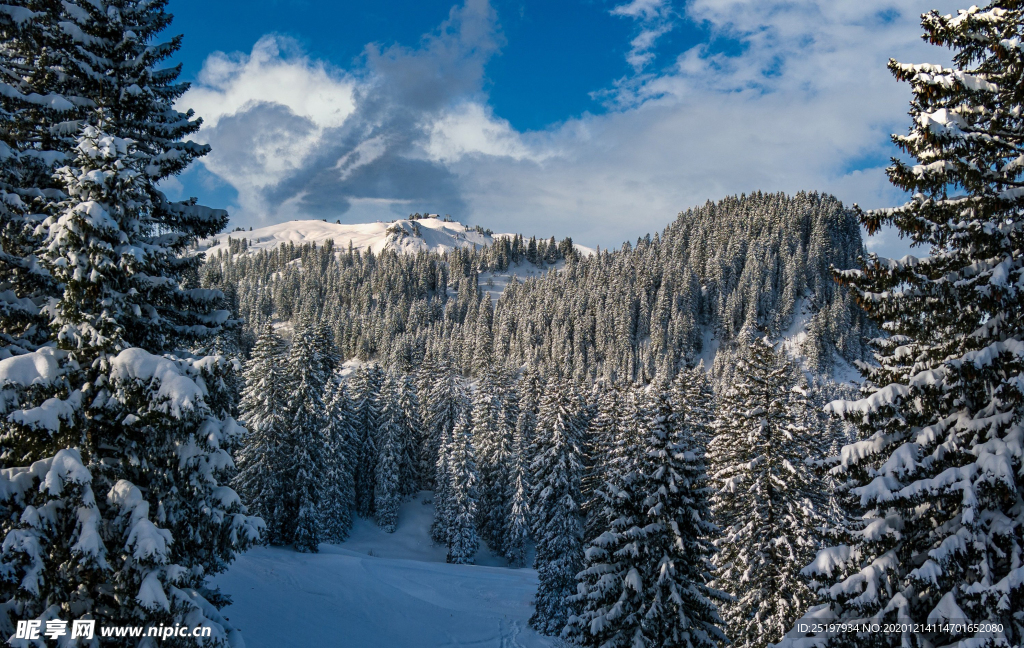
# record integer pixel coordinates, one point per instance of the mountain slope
(424, 234)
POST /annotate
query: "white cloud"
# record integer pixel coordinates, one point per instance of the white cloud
(289, 101)
(788, 95)
(656, 20)
(275, 72)
(470, 128)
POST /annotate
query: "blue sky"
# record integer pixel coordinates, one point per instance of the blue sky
(554, 56)
(590, 118)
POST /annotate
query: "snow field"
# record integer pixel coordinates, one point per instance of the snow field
(380, 590)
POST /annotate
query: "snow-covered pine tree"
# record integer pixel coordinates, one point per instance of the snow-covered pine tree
(645, 580)
(443, 410)
(426, 376)
(492, 448)
(517, 525)
(388, 489)
(413, 437)
(463, 540)
(936, 476)
(38, 109)
(441, 523)
(692, 389)
(262, 461)
(366, 388)
(605, 439)
(131, 438)
(483, 343)
(766, 500)
(832, 435)
(557, 472)
(307, 442)
(341, 493)
(448, 403)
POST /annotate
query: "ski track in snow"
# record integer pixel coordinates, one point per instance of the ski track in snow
(402, 596)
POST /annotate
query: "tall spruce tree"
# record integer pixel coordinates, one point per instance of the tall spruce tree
(766, 500)
(558, 471)
(645, 579)
(491, 441)
(340, 464)
(137, 436)
(936, 478)
(367, 387)
(445, 404)
(693, 391)
(463, 540)
(448, 404)
(441, 524)
(307, 441)
(262, 461)
(605, 440)
(390, 442)
(39, 109)
(517, 524)
(414, 437)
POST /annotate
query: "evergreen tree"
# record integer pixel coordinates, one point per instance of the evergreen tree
(388, 489)
(935, 480)
(443, 412)
(766, 500)
(448, 405)
(414, 437)
(557, 471)
(463, 541)
(308, 451)
(692, 391)
(127, 419)
(517, 524)
(491, 440)
(36, 98)
(441, 524)
(425, 378)
(263, 457)
(367, 388)
(645, 580)
(340, 465)
(606, 444)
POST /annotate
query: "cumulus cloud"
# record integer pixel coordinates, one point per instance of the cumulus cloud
(299, 138)
(786, 95)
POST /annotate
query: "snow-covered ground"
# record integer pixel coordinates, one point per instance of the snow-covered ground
(380, 590)
(795, 336)
(494, 283)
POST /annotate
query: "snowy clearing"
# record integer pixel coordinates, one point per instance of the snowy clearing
(380, 590)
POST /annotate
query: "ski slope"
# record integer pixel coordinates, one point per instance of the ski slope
(380, 590)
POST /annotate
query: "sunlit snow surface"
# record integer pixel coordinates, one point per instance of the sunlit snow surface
(428, 234)
(403, 595)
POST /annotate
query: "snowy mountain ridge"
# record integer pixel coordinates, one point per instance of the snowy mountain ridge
(428, 234)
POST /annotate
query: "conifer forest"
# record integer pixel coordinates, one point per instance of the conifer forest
(744, 429)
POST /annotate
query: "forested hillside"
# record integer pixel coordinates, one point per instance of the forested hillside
(744, 263)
